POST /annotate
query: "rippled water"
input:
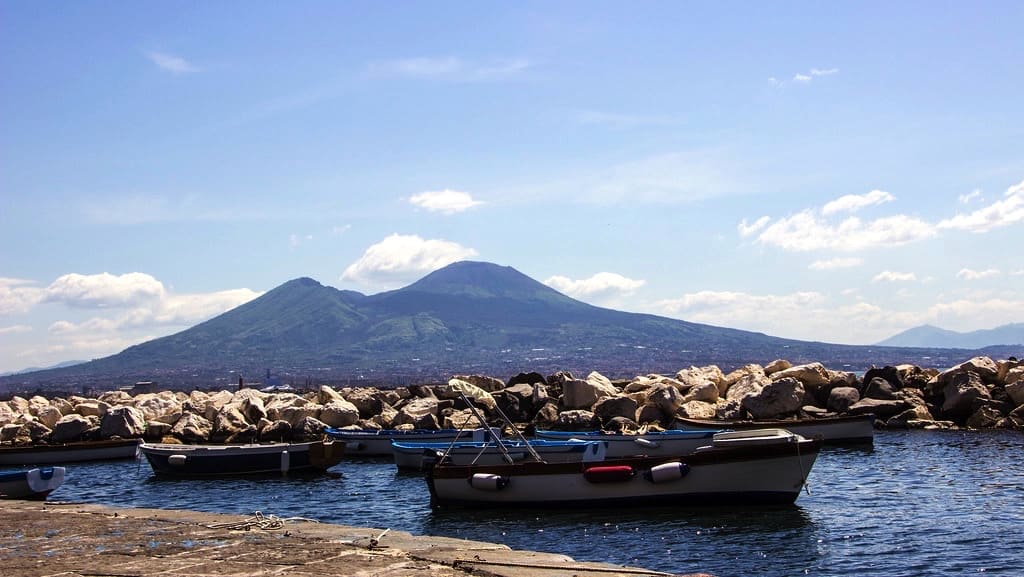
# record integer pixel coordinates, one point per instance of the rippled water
(919, 503)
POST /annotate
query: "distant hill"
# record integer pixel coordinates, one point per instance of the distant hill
(469, 317)
(931, 336)
(34, 369)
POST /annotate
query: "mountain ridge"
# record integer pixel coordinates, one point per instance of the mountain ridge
(933, 336)
(466, 317)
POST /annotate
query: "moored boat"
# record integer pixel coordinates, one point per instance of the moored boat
(34, 484)
(77, 452)
(738, 473)
(848, 429)
(418, 455)
(252, 459)
(651, 444)
(377, 442)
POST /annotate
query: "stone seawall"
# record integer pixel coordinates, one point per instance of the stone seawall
(980, 393)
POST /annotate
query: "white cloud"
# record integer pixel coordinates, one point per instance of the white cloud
(969, 274)
(801, 77)
(18, 296)
(450, 68)
(974, 313)
(15, 329)
(804, 231)
(601, 285)
(104, 290)
(746, 230)
(295, 240)
(402, 258)
(1009, 210)
(444, 201)
(892, 276)
(835, 263)
(171, 63)
(1019, 272)
(967, 198)
(855, 202)
(340, 229)
(824, 72)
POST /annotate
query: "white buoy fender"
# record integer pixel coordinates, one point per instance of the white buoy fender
(285, 462)
(488, 482)
(45, 479)
(667, 472)
(177, 460)
(646, 443)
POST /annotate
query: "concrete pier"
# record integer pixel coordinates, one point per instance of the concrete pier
(43, 539)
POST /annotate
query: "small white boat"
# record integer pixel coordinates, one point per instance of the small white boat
(653, 444)
(737, 473)
(419, 455)
(848, 429)
(70, 452)
(253, 459)
(377, 442)
(34, 484)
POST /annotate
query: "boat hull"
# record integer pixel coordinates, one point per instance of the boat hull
(855, 429)
(657, 444)
(417, 456)
(743, 475)
(70, 452)
(34, 484)
(228, 460)
(377, 443)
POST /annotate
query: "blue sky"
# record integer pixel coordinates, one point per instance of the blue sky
(830, 171)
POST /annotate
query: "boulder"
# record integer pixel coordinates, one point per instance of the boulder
(734, 376)
(962, 389)
(984, 367)
(528, 378)
(840, 399)
(519, 402)
(546, 416)
(157, 430)
(158, 406)
(1015, 392)
(575, 420)
(339, 413)
(645, 383)
(749, 384)
(71, 428)
(368, 401)
(483, 382)
(92, 408)
(697, 410)
(666, 398)
(882, 409)
(457, 387)
(114, 398)
(274, 431)
(37, 432)
(229, 422)
(986, 417)
(577, 394)
(418, 410)
(326, 394)
(695, 376)
(464, 419)
(610, 407)
(880, 388)
(386, 418)
(730, 410)
(192, 428)
(652, 413)
(9, 432)
(18, 404)
(780, 397)
(309, 429)
(125, 422)
(48, 415)
(777, 366)
(7, 414)
(810, 375)
(706, 392)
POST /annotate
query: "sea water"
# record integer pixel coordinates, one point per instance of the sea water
(917, 503)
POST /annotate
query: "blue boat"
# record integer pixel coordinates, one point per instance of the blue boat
(35, 484)
(377, 442)
(253, 459)
(410, 455)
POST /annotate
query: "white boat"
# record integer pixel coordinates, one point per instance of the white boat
(652, 444)
(252, 459)
(70, 452)
(844, 429)
(732, 473)
(419, 455)
(34, 484)
(377, 442)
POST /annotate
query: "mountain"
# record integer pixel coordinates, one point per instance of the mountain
(469, 317)
(930, 336)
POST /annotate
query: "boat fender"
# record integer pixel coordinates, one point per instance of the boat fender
(609, 474)
(177, 460)
(488, 482)
(353, 446)
(286, 460)
(646, 443)
(667, 472)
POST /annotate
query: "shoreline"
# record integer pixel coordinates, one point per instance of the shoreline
(65, 538)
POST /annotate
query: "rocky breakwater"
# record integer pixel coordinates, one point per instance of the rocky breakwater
(980, 393)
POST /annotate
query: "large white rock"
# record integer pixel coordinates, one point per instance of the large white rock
(457, 387)
(811, 374)
(781, 396)
(71, 428)
(339, 413)
(123, 421)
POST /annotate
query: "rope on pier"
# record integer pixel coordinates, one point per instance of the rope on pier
(259, 521)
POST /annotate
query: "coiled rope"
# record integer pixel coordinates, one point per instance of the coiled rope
(259, 521)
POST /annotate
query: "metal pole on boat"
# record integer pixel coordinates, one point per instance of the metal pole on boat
(529, 447)
(497, 442)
